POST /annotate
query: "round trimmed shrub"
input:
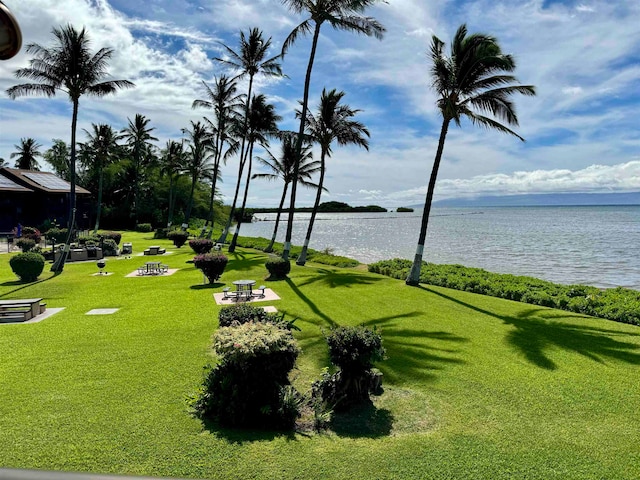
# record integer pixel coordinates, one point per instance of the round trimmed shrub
(27, 266)
(201, 245)
(212, 265)
(178, 237)
(278, 267)
(115, 236)
(26, 244)
(109, 247)
(144, 227)
(160, 233)
(56, 235)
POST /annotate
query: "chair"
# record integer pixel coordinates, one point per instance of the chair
(261, 288)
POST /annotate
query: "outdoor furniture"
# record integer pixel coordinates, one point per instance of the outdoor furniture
(226, 291)
(155, 250)
(78, 255)
(127, 249)
(153, 268)
(21, 310)
(261, 294)
(244, 289)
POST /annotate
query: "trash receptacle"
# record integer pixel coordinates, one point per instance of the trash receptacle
(127, 249)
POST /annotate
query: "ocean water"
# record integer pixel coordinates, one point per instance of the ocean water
(592, 245)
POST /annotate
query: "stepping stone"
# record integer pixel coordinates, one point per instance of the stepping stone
(102, 311)
(270, 309)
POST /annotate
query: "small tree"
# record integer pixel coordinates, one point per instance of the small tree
(212, 265)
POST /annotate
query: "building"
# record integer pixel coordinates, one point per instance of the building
(31, 198)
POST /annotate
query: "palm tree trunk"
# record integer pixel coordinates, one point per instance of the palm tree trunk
(187, 216)
(296, 165)
(225, 232)
(172, 201)
(269, 248)
(414, 275)
(213, 194)
(58, 265)
(303, 254)
(97, 225)
(234, 241)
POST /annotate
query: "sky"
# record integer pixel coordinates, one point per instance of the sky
(582, 130)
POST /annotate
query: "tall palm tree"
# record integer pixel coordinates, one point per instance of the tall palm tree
(68, 66)
(102, 149)
(341, 15)
(58, 157)
(225, 104)
(199, 156)
(172, 164)
(250, 61)
(262, 124)
(333, 123)
(138, 138)
(26, 154)
(283, 168)
(471, 78)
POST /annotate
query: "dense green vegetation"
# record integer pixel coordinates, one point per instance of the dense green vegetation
(474, 386)
(619, 304)
(328, 207)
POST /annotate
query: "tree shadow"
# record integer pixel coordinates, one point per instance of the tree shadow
(362, 421)
(242, 262)
(23, 285)
(240, 436)
(533, 336)
(314, 308)
(207, 286)
(335, 279)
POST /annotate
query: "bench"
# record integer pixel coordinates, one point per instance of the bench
(154, 251)
(261, 288)
(21, 310)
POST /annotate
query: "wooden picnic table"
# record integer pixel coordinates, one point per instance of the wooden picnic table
(26, 308)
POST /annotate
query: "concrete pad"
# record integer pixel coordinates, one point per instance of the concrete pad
(38, 318)
(104, 274)
(268, 296)
(102, 311)
(135, 273)
(270, 309)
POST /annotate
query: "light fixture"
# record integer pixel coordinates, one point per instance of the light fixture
(10, 35)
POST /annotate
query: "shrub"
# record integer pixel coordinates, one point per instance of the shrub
(278, 267)
(56, 235)
(109, 247)
(27, 266)
(160, 233)
(115, 236)
(212, 265)
(26, 244)
(32, 233)
(201, 245)
(178, 237)
(249, 385)
(89, 240)
(243, 313)
(144, 227)
(353, 350)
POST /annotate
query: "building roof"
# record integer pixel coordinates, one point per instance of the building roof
(13, 179)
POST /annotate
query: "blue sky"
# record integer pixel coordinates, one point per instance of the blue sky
(582, 129)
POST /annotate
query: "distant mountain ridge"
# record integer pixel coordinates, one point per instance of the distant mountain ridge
(545, 199)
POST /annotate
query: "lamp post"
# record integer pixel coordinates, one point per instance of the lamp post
(10, 35)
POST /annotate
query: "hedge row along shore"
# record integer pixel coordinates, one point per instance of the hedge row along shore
(618, 304)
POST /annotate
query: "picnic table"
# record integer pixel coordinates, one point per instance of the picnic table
(152, 268)
(244, 290)
(21, 309)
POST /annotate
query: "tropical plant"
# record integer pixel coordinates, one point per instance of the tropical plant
(172, 165)
(212, 265)
(333, 123)
(68, 66)
(341, 15)
(225, 104)
(101, 149)
(261, 126)
(250, 61)
(471, 78)
(58, 157)
(26, 154)
(283, 168)
(198, 158)
(27, 265)
(138, 138)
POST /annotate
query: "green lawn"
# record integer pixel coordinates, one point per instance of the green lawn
(475, 387)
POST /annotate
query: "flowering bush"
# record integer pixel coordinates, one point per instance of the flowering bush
(201, 245)
(212, 265)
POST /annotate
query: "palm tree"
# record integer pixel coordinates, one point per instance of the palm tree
(251, 62)
(58, 157)
(138, 138)
(26, 154)
(341, 15)
(102, 148)
(198, 158)
(471, 78)
(261, 126)
(225, 104)
(172, 164)
(283, 168)
(333, 122)
(68, 66)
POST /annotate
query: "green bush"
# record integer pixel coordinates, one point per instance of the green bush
(160, 233)
(56, 235)
(212, 265)
(178, 237)
(201, 245)
(26, 244)
(250, 385)
(89, 240)
(109, 247)
(27, 266)
(240, 313)
(115, 236)
(144, 227)
(278, 268)
(32, 233)
(353, 350)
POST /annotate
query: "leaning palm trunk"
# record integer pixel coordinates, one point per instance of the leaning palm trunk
(414, 274)
(58, 266)
(211, 199)
(269, 248)
(303, 117)
(302, 258)
(172, 201)
(97, 226)
(234, 241)
(187, 215)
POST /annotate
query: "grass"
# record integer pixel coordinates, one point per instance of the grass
(475, 387)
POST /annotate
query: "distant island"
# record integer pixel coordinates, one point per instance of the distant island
(404, 209)
(328, 207)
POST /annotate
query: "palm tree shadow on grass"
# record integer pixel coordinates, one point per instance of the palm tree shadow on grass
(23, 285)
(334, 279)
(362, 421)
(239, 436)
(242, 262)
(533, 335)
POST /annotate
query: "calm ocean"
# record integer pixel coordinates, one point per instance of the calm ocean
(595, 245)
